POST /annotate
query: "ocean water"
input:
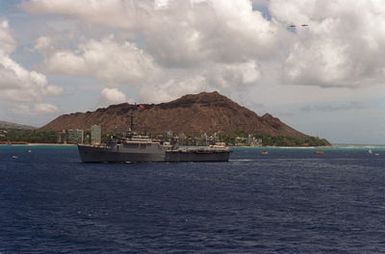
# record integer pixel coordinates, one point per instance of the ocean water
(288, 201)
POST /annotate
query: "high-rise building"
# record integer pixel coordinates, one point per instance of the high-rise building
(96, 134)
(62, 137)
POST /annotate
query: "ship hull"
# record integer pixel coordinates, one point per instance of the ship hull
(94, 154)
(104, 155)
(197, 156)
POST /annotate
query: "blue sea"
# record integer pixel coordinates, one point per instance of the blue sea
(286, 201)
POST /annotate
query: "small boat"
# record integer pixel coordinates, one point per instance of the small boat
(264, 152)
(319, 152)
(373, 153)
(14, 157)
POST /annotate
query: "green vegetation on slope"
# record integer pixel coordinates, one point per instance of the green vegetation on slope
(294, 141)
(27, 136)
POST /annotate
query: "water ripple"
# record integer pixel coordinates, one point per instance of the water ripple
(290, 201)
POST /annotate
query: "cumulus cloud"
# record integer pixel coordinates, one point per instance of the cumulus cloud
(208, 31)
(110, 12)
(230, 75)
(113, 96)
(188, 45)
(173, 88)
(180, 46)
(8, 43)
(42, 43)
(181, 33)
(217, 77)
(45, 108)
(18, 84)
(107, 60)
(34, 109)
(160, 4)
(342, 45)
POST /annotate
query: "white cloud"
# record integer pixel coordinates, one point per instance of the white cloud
(18, 84)
(223, 76)
(161, 4)
(107, 60)
(42, 43)
(45, 108)
(8, 43)
(173, 88)
(179, 46)
(207, 31)
(113, 96)
(33, 110)
(216, 77)
(185, 46)
(341, 46)
(110, 12)
(185, 33)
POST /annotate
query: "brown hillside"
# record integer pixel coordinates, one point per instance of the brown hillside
(190, 114)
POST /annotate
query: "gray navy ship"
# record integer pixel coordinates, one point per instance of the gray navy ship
(144, 149)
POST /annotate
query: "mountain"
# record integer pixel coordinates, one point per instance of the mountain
(8, 125)
(191, 114)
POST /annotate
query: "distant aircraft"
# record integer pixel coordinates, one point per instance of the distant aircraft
(305, 25)
(292, 26)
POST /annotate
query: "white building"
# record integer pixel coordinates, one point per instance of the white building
(96, 134)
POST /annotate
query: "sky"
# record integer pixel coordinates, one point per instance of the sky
(318, 65)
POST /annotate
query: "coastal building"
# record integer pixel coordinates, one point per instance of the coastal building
(75, 136)
(62, 137)
(240, 141)
(3, 134)
(96, 134)
(250, 140)
(253, 141)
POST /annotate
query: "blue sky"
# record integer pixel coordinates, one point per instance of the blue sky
(326, 79)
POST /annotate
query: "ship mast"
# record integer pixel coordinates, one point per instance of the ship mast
(132, 121)
(131, 128)
(132, 124)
